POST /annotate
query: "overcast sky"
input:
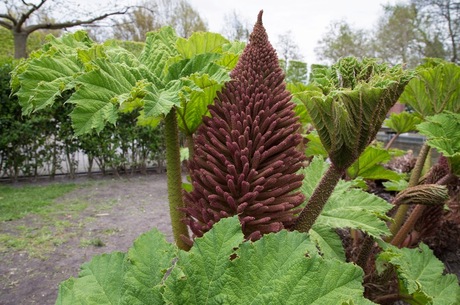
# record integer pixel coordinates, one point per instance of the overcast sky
(307, 20)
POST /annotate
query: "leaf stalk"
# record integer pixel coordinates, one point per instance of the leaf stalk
(414, 178)
(174, 178)
(318, 199)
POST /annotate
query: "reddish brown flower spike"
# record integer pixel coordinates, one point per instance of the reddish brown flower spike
(246, 158)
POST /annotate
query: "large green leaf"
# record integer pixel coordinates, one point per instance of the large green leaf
(117, 278)
(402, 122)
(49, 71)
(347, 207)
(100, 92)
(106, 79)
(199, 43)
(281, 268)
(148, 259)
(314, 145)
(300, 93)
(421, 275)
(100, 282)
(159, 49)
(443, 133)
(44, 80)
(195, 106)
(369, 165)
(285, 268)
(198, 275)
(221, 268)
(434, 89)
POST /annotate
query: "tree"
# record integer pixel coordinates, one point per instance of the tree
(341, 41)
(23, 18)
(135, 25)
(287, 49)
(290, 59)
(185, 20)
(395, 39)
(235, 28)
(152, 15)
(297, 72)
(445, 17)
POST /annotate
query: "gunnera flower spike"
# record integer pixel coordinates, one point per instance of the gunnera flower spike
(246, 158)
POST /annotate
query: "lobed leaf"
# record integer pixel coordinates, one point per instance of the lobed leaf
(118, 278)
(159, 49)
(195, 106)
(199, 43)
(434, 89)
(197, 277)
(421, 275)
(148, 259)
(443, 133)
(369, 165)
(402, 122)
(100, 282)
(44, 80)
(280, 268)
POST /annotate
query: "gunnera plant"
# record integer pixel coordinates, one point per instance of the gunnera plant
(246, 157)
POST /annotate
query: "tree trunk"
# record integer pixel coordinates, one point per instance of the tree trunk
(20, 44)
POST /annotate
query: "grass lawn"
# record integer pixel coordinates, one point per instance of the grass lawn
(16, 202)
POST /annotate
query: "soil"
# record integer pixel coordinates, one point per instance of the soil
(117, 212)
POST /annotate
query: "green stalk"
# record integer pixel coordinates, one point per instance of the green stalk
(191, 149)
(387, 147)
(365, 253)
(173, 172)
(414, 178)
(318, 199)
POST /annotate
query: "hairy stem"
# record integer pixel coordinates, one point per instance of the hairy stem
(365, 252)
(414, 217)
(392, 140)
(318, 199)
(408, 225)
(174, 178)
(414, 178)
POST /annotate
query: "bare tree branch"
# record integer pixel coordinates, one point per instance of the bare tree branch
(6, 24)
(26, 16)
(54, 26)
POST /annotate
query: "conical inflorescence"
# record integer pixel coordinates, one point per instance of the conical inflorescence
(246, 157)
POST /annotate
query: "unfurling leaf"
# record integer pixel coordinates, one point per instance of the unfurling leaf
(246, 157)
(354, 100)
(426, 194)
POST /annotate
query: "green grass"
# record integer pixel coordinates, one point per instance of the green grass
(17, 202)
